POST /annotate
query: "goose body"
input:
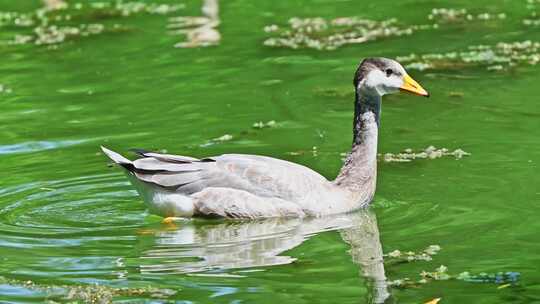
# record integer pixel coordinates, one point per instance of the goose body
(251, 186)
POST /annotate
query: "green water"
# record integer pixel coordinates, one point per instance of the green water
(68, 219)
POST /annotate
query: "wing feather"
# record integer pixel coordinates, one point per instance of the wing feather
(260, 175)
(169, 180)
(155, 164)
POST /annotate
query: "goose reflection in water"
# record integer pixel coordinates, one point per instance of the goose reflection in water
(200, 31)
(194, 247)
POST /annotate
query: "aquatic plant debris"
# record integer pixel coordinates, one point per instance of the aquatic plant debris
(213, 141)
(410, 256)
(500, 56)
(262, 125)
(258, 126)
(57, 24)
(4, 89)
(533, 19)
(329, 34)
(441, 274)
(509, 277)
(323, 34)
(92, 293)
(452, 15)
(430, 152)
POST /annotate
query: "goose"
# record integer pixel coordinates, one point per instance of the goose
(250, 186)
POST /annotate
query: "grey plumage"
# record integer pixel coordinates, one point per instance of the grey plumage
(242, 186)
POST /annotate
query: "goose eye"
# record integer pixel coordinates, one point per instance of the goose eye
(389, 72)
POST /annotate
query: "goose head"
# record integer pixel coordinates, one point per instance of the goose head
(381, 76)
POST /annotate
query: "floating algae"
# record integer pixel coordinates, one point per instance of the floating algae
(255, 128)
(93, 293)
(500, 56)
(439, 274)
(322, 34)
(60, 21)
(430, 152)
(410, 256)
(329, 34)
(4, 89)
(503, 279)
(217, 140)
(450, 15)
(262, 125)
(407, 155)
(57, 34)
(509, 278)
(121, 8)
(534, 18)
(532, 4)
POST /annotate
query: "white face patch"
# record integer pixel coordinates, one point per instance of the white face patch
(378, 81)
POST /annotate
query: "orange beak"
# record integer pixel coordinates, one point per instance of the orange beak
(410, 85)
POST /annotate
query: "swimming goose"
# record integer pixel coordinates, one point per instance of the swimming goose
(251, 186)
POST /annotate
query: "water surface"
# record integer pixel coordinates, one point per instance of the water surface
(68, 219)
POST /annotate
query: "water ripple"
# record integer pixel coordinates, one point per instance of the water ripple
(62, 209)
(35, 146)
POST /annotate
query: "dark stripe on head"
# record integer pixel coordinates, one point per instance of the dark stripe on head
(367, 65)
